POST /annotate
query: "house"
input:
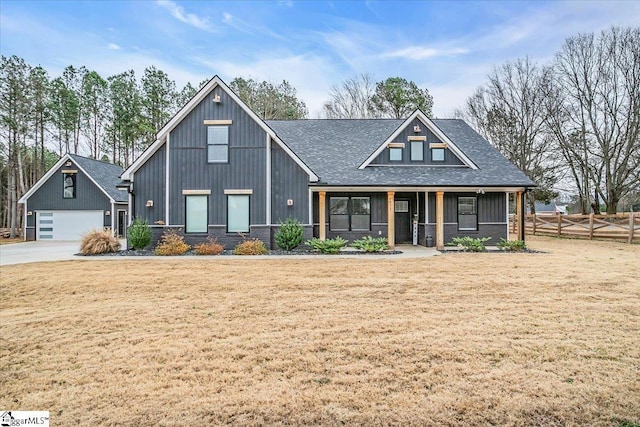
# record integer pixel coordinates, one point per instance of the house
(76, 195)
(218, 170)
(551, 208)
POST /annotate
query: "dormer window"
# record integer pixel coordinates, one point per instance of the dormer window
(395, 151)
(417, 151)
(437, 154)
(395, 154)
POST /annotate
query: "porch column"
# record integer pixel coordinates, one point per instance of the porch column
(520, 214)
(322, 215)
(391, 219)
(440, 220)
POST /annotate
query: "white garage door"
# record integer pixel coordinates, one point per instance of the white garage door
(66, 225)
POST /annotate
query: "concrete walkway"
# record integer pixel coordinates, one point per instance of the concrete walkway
(21, 253)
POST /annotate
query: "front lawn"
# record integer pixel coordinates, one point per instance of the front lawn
(467, 339)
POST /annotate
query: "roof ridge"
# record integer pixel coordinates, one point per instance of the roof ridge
(95, 160)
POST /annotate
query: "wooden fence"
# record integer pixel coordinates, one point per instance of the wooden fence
(625, 226)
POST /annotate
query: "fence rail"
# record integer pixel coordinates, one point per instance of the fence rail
(625, 226)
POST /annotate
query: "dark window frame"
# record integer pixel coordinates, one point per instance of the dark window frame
(186, 225)
(74, 185)
(397, 149)
(350, 213)
(248, 214)
(475, 205)
(421, 151)
(444, 154)
(212, 144)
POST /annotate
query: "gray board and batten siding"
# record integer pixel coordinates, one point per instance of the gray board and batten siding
(491, 214)
(246, 169)
(88, 196)
(450, 158)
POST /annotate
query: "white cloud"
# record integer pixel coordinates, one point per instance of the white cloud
(113, 46)
(179, 13)
(246, 27)
(419, 52)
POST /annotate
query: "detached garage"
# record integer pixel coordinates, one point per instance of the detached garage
(78, 194)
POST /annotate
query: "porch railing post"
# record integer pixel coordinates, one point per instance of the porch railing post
(391, 224)
(440, 220)
(322, 215)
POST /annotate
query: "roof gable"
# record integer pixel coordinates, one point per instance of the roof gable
(334, 148)
(433, 128)
(202, 94)
(104, 175)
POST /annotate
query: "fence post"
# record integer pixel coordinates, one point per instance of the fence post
(534, 224)
(559, 225)
(632, 224)
(591, 226)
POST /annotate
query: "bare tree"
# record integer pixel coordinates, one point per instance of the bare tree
(596, 110)
(510, 111)
(352, 99)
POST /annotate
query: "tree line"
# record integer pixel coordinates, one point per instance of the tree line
(575, 119)
(116, 118)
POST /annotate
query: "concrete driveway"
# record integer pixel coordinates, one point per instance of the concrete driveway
(21, 253)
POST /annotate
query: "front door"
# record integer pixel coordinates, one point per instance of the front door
(403, 221)
(122, 223)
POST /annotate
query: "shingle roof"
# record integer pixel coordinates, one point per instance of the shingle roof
(334, 149)
(107, 175)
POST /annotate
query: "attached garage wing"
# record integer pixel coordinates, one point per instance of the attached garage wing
(66, 225)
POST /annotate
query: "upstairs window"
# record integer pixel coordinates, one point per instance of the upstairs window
(395, 154)
(437, 154)
(417, 151)
(218, 144)
(69, 186)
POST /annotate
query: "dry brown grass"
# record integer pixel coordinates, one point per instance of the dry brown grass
(461, 339)
(99, 242)
(9, 241)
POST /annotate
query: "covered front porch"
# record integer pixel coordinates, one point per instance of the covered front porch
(419, 216)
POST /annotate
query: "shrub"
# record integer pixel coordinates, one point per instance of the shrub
(289, 235)
(250, 247)
(511, 245)
(210, 247)
(99, 242)
(370, 244)
(471, 244)
(328, 246)
(171, 243)
(139, 234)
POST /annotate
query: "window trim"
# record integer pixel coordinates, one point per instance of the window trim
(248, 196)
(186, 216)
(210, 144)
(475, 205)
(74, 187)
(349, 213)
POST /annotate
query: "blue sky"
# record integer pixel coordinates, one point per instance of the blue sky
(447, 47)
